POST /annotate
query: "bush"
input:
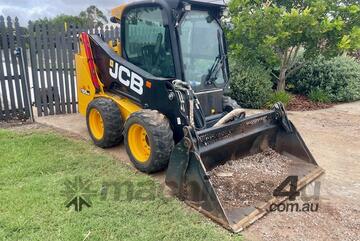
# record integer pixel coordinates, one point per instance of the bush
(337, 78)
(282, 97)
(318, 95)
(251, 86)
(356, 55)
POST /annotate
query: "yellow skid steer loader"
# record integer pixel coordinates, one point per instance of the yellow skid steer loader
(161, 88)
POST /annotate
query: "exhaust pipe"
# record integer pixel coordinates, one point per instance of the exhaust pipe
(200, 152)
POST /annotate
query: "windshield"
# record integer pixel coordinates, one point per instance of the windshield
(200, 35)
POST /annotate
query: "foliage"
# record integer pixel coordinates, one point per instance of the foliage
(319, 96)
(250, 84)
(61, 20)
(93, 17)
(279, 96)
(273, 32)
(33, 170)
(338, 77)
(356, 55)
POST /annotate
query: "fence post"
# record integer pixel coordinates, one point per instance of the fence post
(24, 77)
(34, 68)
(6, 50)
(20, 54)
(2, 74)
(49, 89)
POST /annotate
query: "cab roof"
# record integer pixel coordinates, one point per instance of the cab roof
(214, 5)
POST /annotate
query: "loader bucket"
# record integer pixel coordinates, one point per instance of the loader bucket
(194, 159)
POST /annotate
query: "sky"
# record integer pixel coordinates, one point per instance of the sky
(27, 10)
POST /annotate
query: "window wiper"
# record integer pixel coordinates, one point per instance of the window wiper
(213, 72)
(218, 63)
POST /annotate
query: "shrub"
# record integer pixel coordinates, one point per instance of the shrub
(251, 86)
(356, 55)
(338, 78)
(318, 95)
(281, 96)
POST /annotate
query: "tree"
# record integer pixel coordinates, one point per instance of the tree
(70, 20)
(273, 32)
(62, 19)
(93, 17)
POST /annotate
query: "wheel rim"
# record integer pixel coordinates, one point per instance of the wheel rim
(96, 124)
(138, 142)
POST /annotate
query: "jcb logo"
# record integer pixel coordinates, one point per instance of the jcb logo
(126, 77)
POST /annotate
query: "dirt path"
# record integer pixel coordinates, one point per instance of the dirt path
(333, 136)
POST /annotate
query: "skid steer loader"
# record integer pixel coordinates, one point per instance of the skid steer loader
(160, 88)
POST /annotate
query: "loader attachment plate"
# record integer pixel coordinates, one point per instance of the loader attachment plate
(229, 172)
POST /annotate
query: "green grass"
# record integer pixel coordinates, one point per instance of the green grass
(33, 168)
(276, 97)
(319, 96)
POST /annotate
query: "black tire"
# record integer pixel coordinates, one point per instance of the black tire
(229, 104)
(112, 122)
(159, 137)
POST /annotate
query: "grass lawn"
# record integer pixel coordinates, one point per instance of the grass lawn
(33, 169)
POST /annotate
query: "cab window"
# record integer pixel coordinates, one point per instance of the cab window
(147, 41)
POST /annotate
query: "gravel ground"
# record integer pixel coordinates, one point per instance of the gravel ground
(235, 181)
(328, 223)
(333, 137)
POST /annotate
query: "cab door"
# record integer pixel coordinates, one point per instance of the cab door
(146, 40)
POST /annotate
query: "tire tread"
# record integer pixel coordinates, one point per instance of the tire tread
(113, 123)
(159, 126)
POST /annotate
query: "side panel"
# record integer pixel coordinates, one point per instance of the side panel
(126, 106)
(126, 80)
(86, 91)
(85, 88)
(116, 46)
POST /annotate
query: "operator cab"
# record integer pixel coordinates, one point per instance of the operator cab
(178, 39)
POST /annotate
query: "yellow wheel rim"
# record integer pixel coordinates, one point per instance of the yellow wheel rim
(96, 124)
(138, 142)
